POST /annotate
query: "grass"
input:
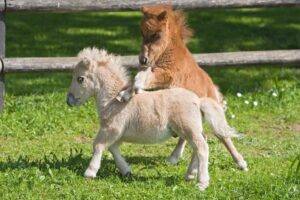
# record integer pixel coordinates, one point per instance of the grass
(46, 146)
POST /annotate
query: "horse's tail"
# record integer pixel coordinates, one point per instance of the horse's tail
(220, 97)
(215, 116)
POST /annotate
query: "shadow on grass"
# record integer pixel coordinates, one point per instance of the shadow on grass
(38, 83)
(64, 34)
(49, 34)
(76, 163)
(230, 80)
(245, 29)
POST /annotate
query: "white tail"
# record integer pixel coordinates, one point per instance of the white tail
(215, 116)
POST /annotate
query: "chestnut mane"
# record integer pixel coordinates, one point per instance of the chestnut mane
(180, 22)
(176, 19)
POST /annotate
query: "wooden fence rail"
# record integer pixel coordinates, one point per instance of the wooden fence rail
(211, 59)
(121, 5)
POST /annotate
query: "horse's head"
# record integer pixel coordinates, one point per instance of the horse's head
(96, 73)
(155, 33)
(160, 26)
(82, 85)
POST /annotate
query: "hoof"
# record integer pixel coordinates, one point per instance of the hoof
(138, 91)
(119, 98)
(245, 169)
(173, 160)
(203, 186)
(89, 174)
(190, 177)
(123, 96)
(128, 175)
(243, 165)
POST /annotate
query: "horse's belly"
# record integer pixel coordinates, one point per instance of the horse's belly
(150, 136)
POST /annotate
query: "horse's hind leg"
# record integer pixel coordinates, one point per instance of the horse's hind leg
(199, 160)
(200, 148)
(177, 152)
(120, 161)
(237, 157)
(192, 169)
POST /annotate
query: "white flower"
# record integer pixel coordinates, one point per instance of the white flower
(247, 102)
(274, 94)
(224, 102)
(42, 178)
(232, 116)
(239, 94)
(255, 103)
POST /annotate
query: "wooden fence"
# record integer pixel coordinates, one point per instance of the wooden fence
(211, 59)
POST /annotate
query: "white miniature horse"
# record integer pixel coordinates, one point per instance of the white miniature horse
(148, 118)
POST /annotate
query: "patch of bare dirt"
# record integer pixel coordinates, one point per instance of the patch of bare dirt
(295, 127)
(83, 140)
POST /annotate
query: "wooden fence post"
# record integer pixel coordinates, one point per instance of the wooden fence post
(2, 55)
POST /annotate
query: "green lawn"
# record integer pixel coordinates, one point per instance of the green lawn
(45, 146)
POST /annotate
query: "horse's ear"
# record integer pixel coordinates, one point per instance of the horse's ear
(162, 16)
(86, 62)
(144, 10)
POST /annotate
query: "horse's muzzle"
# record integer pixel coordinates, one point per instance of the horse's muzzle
(71, 100)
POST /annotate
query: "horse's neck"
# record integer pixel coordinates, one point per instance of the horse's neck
(109, 88)
(168, 58)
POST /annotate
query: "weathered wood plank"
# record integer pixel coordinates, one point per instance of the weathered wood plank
(212, 59)
(52, 63)
(273, 57)
(2, 55)
(121, 5)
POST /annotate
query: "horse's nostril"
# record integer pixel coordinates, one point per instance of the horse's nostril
(69, 103)
(143, 60)
(71, 100)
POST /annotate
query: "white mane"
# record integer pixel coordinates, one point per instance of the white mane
(95, 55)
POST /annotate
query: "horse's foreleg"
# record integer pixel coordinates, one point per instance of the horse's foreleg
(140, 79)
(103, 140)
(120, 161)
(158, 78)
(139, 84)
(95, 162)
(151, 79)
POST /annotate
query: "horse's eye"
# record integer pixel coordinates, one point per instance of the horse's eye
(155, 37)
(152, 38)
(80, 79)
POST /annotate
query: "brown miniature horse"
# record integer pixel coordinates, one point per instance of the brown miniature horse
(166, 62)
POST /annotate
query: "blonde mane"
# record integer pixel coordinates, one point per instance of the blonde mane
(102, 57)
